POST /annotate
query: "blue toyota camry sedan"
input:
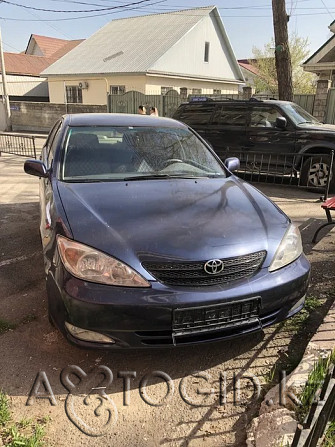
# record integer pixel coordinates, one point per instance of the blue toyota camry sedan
(149, 240)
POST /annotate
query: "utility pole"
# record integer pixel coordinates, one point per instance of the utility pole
(282, 51)
(5, 96)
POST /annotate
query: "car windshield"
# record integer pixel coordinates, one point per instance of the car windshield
(298, 115)
(132, 153)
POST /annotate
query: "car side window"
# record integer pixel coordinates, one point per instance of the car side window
(51, 143)
(264, 117)
(196, 114)
(230, 116)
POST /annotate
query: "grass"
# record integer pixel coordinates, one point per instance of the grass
(314, 382)
(4, 409)
(329, 439)
(25, 433)
(28, 319)
(6, 326)
(298, 321)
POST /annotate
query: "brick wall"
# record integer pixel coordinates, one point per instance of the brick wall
(41, 116)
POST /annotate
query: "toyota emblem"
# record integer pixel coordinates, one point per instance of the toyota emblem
(213, 266)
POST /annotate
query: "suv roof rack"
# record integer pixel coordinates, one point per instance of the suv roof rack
(218, 98)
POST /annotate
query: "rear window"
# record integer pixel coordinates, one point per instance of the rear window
(230, 116)
(195, 114)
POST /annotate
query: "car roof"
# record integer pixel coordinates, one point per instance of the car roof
(119, 119)
(236, 102)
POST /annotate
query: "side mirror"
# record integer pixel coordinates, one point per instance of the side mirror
(36, 167)
(232, 164)
(281, 122)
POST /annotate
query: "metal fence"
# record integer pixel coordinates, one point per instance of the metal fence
(305, 101)
(17, 144)
(310, 433)
(130, 101)
(301, 170)
(168, 103)
(330, 109)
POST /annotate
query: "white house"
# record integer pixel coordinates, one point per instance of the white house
(187, 50)
(322, 62)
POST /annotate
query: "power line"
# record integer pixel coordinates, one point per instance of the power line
(11, 46)
(327, 9)
(129, 8)
(50, 25)
(74, 11)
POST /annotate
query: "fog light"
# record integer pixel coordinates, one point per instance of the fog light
(298, 304)
(86, 335)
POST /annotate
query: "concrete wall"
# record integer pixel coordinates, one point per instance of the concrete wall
(41, 116)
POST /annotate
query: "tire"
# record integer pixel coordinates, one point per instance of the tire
(315, 171)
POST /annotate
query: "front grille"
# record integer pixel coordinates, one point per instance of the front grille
(193, 274)
(215, 317)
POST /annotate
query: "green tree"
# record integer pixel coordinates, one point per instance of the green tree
(264, 61)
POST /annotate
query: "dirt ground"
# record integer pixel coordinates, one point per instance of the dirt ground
(200, 406)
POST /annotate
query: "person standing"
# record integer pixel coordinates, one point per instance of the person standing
(142, 110)
(153, 111)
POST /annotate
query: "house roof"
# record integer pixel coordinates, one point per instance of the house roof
(132, 45)
(245, 63)
(321, 52)
(31, 65)
(50, 46)
(26, 64)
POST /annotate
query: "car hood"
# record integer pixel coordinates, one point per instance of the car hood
(175, 219)
(318, 127)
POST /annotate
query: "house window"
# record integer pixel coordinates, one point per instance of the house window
(216, 92)
(117, 89)
(74, 94)
(183, 93)
(206, 55)
(164, 90)
(196, 91)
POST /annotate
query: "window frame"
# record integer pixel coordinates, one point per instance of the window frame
(216, 118)
(121, 89)
(78, 96)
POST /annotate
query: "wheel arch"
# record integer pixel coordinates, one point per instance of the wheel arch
(313, 149)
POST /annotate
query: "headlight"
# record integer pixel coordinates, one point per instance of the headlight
(91, 265)
(289, 249)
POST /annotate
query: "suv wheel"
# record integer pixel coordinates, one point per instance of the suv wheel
(315, 172)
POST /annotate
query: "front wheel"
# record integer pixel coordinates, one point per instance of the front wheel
(315, 172)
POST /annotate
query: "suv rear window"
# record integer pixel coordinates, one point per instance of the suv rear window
(195, 114)
(230, 116)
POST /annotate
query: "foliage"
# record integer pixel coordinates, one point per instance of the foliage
(314, 382)
(4, 411)
(25, 433)
(6, 326)
(264, 61)
(329, 440)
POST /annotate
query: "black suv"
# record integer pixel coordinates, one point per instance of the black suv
(265, 134)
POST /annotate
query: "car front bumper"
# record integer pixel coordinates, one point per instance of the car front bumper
(162, 316)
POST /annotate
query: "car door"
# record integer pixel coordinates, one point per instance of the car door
(197, 116)
(271, 143)
(227, 129)
(46, 188)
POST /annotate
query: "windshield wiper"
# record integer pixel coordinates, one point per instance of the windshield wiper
(309, 122)
(167, 176)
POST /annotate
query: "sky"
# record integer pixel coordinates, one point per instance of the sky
(248, 23)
